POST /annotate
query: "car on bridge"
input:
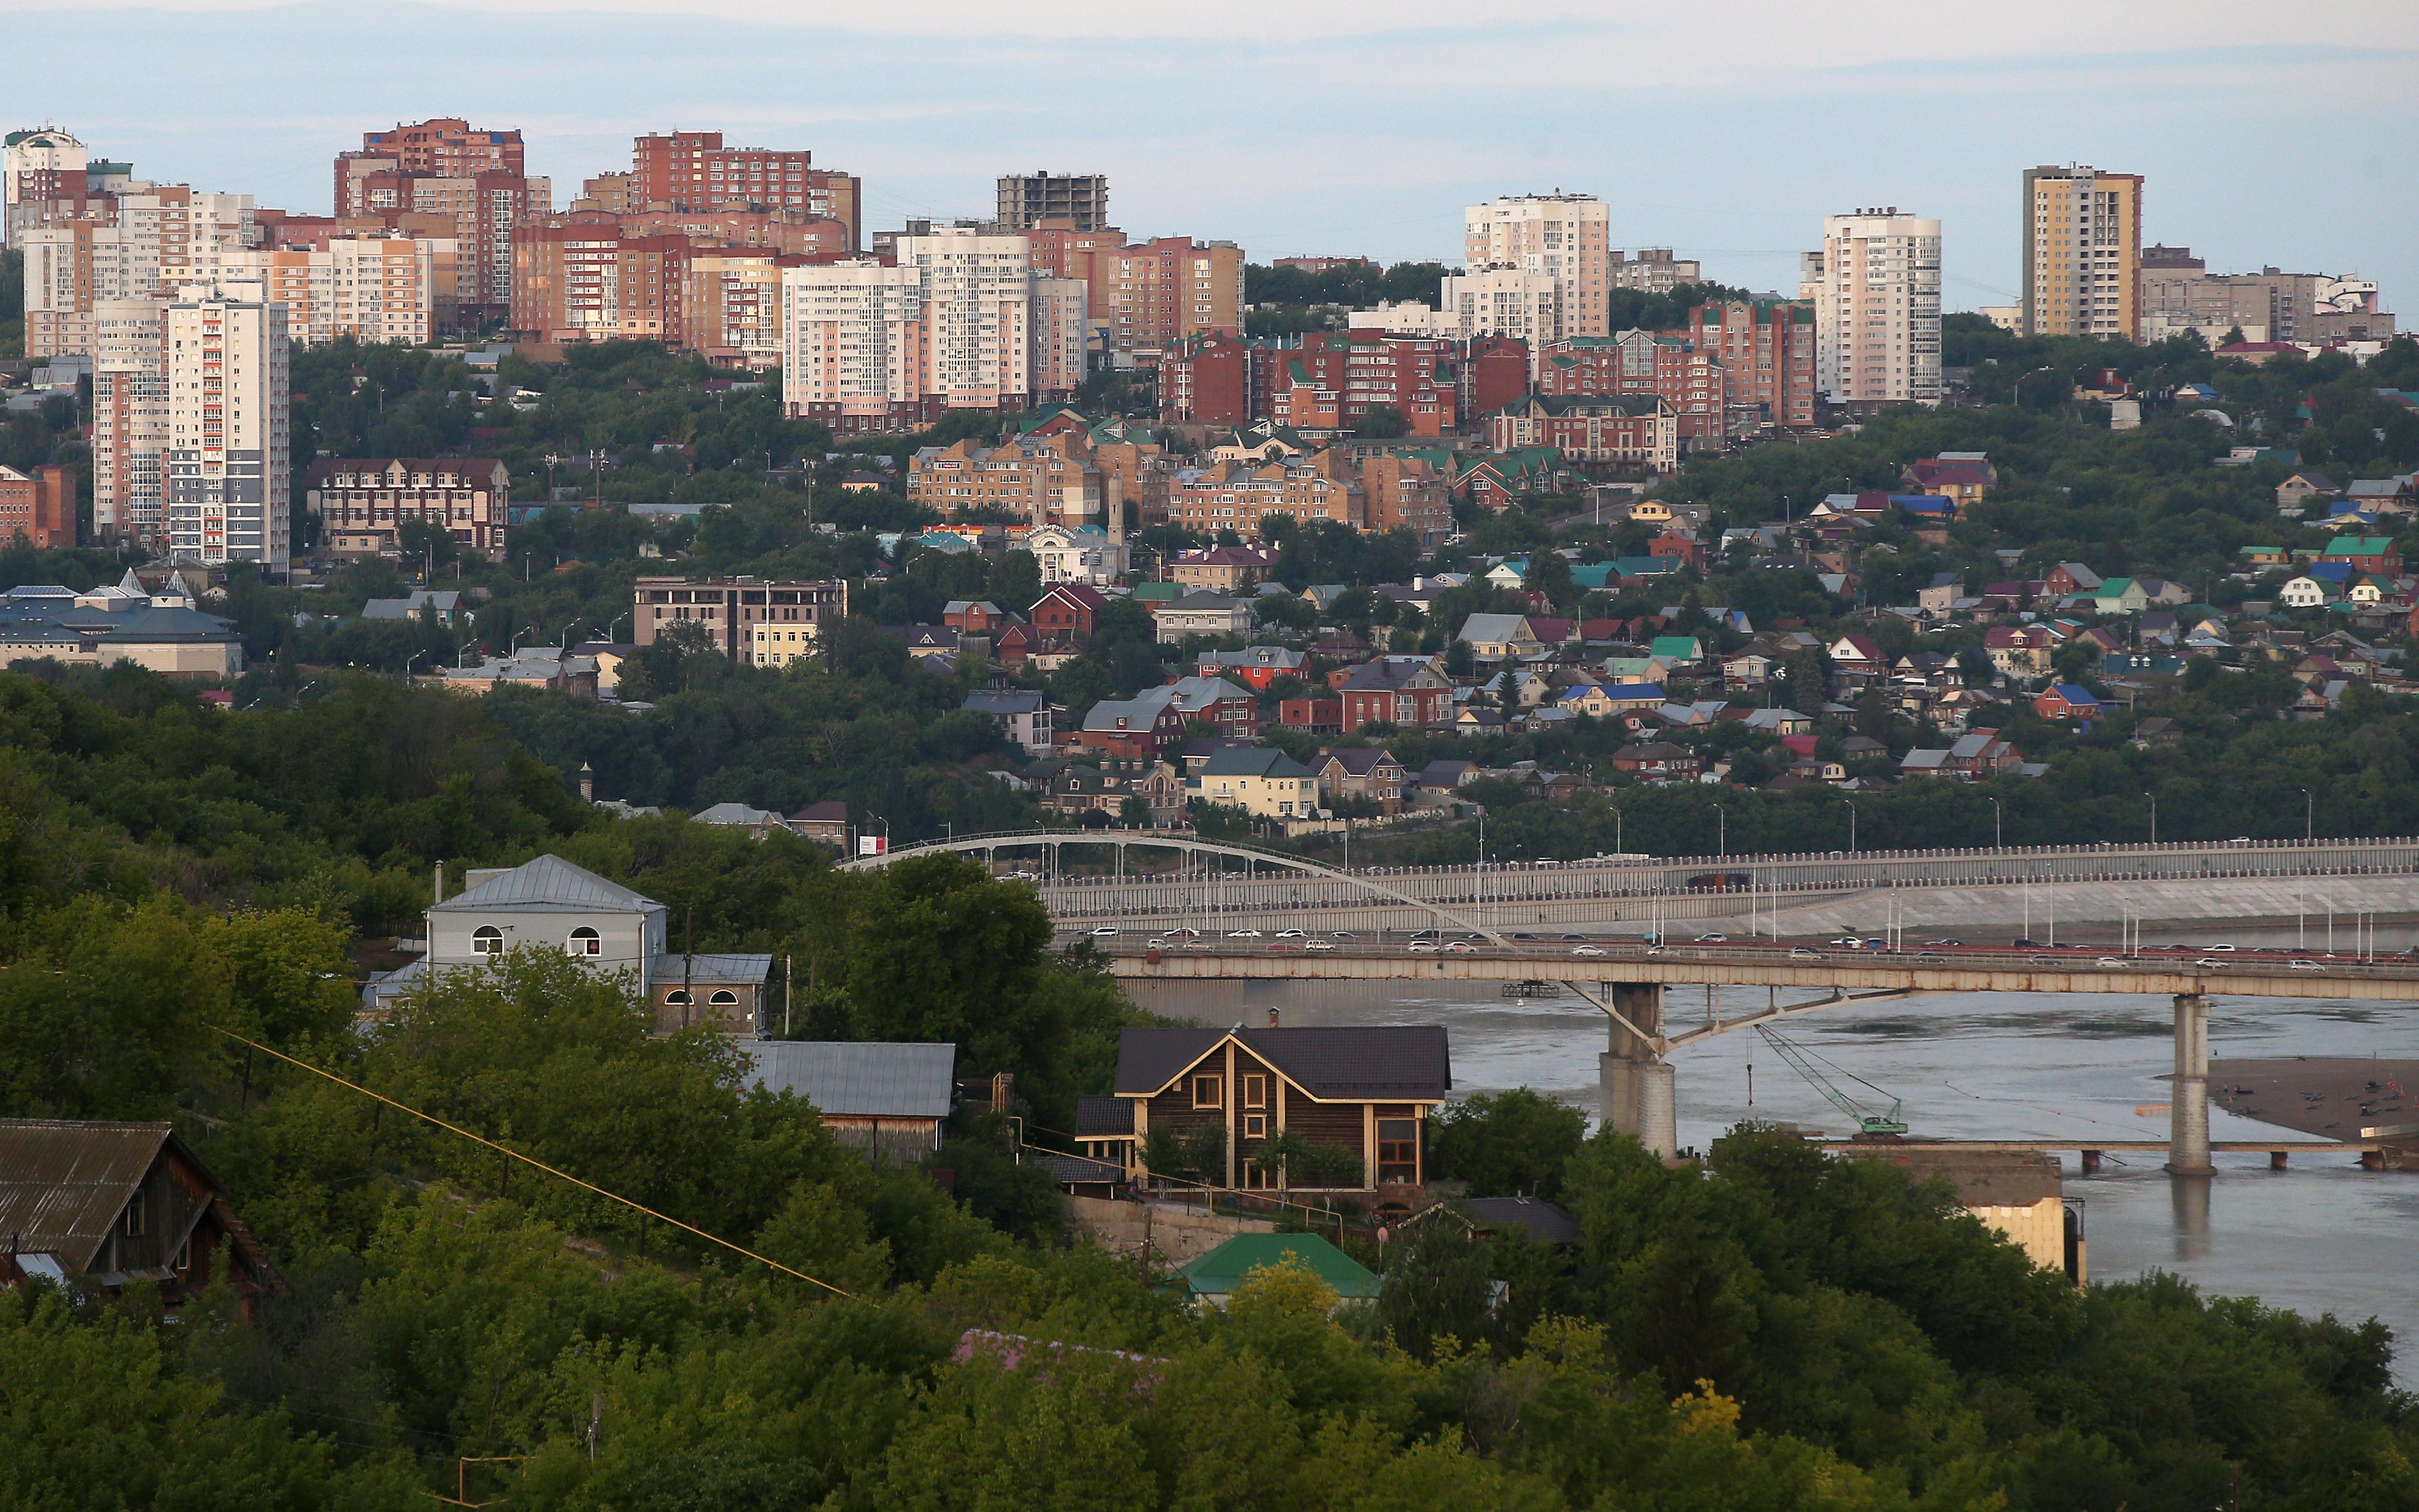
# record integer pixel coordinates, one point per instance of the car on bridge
(1242, 934)
(1293, 933)
(1461, 947)
(1105, 932)
(2309, 966)
(1423, 947)
(2110, 963)
(1587, 950)
(1803, 952)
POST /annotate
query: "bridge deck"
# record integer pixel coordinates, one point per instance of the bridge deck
(2246, 974)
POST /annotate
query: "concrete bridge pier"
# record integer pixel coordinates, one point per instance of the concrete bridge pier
(1636, 1081)
(2188, 1118)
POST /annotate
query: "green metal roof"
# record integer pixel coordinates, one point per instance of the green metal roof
(1220, 1272)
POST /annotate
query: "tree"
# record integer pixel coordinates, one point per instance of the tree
(1506, 1143)
(1381, 423)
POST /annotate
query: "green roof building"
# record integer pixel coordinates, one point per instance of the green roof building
(1214, 1276)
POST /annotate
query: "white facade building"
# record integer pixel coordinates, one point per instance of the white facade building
(1079, 554)
(978, 316)
(129, 416)
(1566, 237)
(851, 334)
(229, 485)
(1876, 291)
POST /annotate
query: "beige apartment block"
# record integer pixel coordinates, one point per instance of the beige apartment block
(1877, 290)
(1566, 237)
(2083, 253)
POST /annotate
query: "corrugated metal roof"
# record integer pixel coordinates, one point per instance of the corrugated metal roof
(63, 1183)
(703, 969)
(1223, 1269)
(859, 1079)
(547, 882)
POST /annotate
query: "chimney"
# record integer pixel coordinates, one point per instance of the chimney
(1272, 1018)
(440, 881)
(1114, 490)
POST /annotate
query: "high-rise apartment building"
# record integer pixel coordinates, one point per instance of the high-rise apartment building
(1029, 200)
(977, 331)
(583, 277)
(1875, 286)
(129, 418)
(230, 487)
(694, 171)
(962, 321)
(1566, 238)
(2180, 293)
(1654, 270)
(38, 168)
(144, 245)
(1768, 348)
(2083, 253)
(1061, 334)
(445, 167)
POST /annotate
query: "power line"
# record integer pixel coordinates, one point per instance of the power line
(505, 1150)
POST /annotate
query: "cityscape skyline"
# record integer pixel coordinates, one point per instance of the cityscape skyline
(934, 140)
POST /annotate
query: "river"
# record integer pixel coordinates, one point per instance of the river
(2324, 1236)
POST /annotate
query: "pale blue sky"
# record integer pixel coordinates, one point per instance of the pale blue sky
(1340, 126)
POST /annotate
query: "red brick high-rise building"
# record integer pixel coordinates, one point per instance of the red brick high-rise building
(693, 171)
(1209, 383)
(1334, 380)
(1767, 347)
(445, 167)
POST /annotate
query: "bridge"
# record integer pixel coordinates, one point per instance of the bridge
(1628, 980)
(1196, 922)
(2029, 888)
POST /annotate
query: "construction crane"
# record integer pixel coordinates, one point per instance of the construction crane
(1802, 1061)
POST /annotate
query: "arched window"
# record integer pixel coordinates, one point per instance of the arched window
(585, 941)
(487, 940)
(676, 998)
(723, 998)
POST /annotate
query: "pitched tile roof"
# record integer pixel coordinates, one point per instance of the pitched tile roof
(1336, 1064)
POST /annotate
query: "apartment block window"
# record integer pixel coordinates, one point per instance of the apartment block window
(1208, 1092)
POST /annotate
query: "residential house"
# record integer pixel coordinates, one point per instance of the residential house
(1406, 693)
(1257, 666)
(1225, 569)
(1494, 637)
(116, 1203)
(1212, 1279)
(2018, 650)
(825, 822)
(1202, 612)
(2066, 701)
(1443, 778)
(1364, 1092)
(1747, 669)
(1132, 728)
(549, 904)
(1477, 721)
(2294, 494)
(2068, 578)
(1937, 598)
(2310, 591)
(1064, 616)
(1658, 761)
(1230, 710)
(889, 1099)
(757, 822)
(1362, 772)
(1259, 780)
(1963, 480)
(1315, 714)
(443, 604)
(1022, 715)
(1857, 662)
(2365, 554)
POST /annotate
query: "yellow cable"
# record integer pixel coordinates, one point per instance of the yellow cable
(539, 1164)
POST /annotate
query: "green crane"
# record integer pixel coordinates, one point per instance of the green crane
(1802, 1061)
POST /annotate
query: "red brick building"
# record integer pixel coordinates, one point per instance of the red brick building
(1329, 382)
(1695, 384)
(693, 171)
(1408, 694)
(1768, 351)
(1065, 614)
(1639, 430)
(1209, 384)
(1494, 372)
(39, 507)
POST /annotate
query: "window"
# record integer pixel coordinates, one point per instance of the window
(1399, 1149)
(1207, 1090)
(1255, 1125)
(487, 940)
(723, 998)
(1255, 1091)
(134, 1216)
(586, 941)
(676, 998)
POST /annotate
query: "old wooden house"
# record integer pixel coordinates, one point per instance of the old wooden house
(108, 1204)
(889, 1099)
(1355, 1098)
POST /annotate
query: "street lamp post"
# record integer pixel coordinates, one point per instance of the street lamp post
(2154, 817)
(1722, 828)
(2309, 813)
(1997, 830)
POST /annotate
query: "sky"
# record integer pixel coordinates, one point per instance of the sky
(1725, 128)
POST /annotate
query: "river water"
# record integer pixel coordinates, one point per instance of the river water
(2324, 1236)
